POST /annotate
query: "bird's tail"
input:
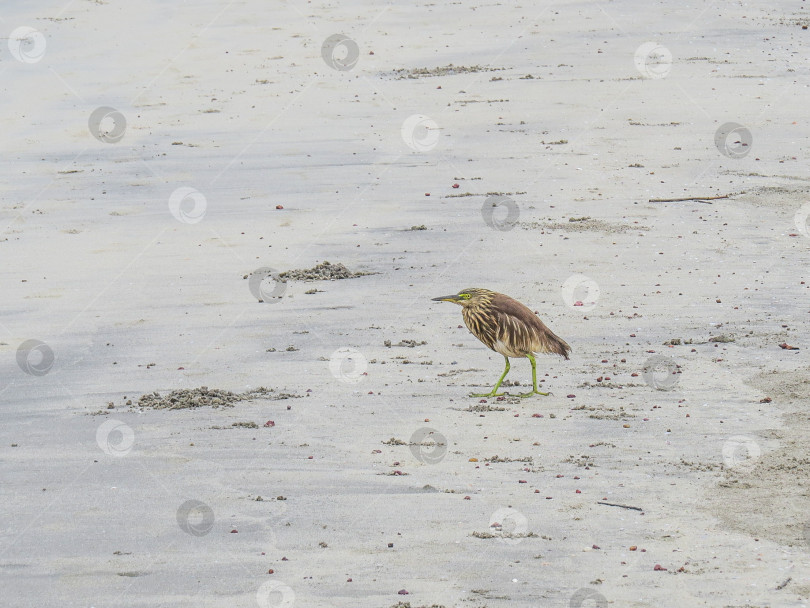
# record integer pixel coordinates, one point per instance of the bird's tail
(559, 346)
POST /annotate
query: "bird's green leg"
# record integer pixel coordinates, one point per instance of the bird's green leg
(494, 392)
(534, 379)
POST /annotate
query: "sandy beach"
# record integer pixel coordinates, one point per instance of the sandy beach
(197, 411)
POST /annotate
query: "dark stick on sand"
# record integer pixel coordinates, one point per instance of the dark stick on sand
(700, 199)
(613, 504)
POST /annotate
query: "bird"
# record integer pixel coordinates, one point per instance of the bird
(507, 327)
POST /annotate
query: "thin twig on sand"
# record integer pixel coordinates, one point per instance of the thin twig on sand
(700, 199)
(613, 504)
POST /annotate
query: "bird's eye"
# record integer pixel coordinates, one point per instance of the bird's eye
(464, 296)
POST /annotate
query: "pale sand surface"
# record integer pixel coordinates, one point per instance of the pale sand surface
(236, 101)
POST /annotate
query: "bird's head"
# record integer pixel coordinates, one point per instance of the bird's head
(467, 297)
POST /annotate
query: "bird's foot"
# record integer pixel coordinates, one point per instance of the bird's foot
(530, 394)
(492, 394)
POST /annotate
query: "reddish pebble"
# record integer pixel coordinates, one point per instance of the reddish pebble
(310, 457)
(537, 415)
(284, 559)
(466, 498)
(604, 360)
(455, 185)
(269, 423)
(279, 206)
(348, 580)
(402, 592)
(571, 396)
(522, 481)
(537, 491)
(548, 497)
(659, 567)
(595, 547)
(271, 571)
(234, 531)
(632, 335)
(560, 475)
(578, 303)
(427, 193)
(579, 491)
(576, 477)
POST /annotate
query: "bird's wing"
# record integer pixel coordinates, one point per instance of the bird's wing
(524, 330)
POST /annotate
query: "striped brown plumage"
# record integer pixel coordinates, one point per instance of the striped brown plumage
(507, 326)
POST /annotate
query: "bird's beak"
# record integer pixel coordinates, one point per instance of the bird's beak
(452, 298)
